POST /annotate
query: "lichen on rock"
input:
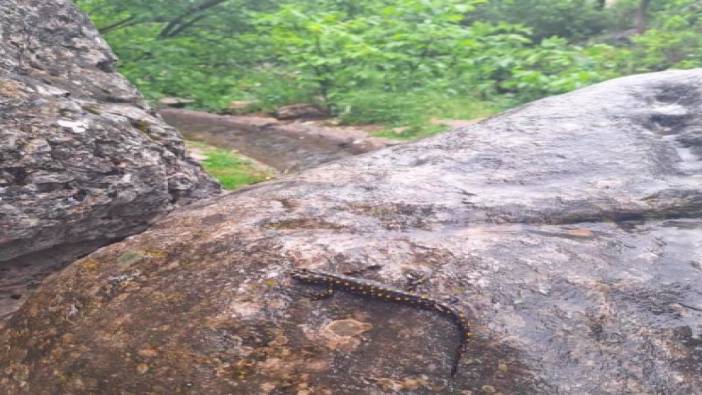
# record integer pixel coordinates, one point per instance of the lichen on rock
(83, 160)
(568, 232)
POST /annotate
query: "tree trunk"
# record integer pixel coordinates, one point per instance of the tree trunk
(641, 16)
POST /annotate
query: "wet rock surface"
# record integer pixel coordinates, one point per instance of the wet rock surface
(287, 146)
(83, 161)
(569, 231)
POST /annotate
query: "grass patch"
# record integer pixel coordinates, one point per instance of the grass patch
(409, 116)
(231, 170)
(464, 108)
(411, 132)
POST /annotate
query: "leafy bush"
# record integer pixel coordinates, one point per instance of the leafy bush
(570, 19)
(555, 67)
(400, 62)
(675, 39)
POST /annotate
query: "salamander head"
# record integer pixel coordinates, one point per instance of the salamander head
(306, 275)
(298, 273)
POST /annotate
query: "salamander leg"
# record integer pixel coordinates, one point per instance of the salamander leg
(327, 293)
(357, 273)
(414, 279)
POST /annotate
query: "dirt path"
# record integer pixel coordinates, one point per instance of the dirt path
(285, 146)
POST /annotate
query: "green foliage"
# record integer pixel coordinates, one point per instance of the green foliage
(556, 67)
(674, 40)
(400, 62)
(570, 19)
(415, 108)
(203, 60)
(390, 48)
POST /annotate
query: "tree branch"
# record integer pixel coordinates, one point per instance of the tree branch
(176, 24)
(116, 25)
(186, 25)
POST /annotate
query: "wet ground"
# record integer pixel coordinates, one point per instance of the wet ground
(286, 146)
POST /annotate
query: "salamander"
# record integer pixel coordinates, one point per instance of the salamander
(380, 291)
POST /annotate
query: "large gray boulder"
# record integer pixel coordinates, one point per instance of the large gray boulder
(83, 161)
(567, 231)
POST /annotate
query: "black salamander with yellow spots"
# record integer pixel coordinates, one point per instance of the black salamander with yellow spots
(380, 291)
